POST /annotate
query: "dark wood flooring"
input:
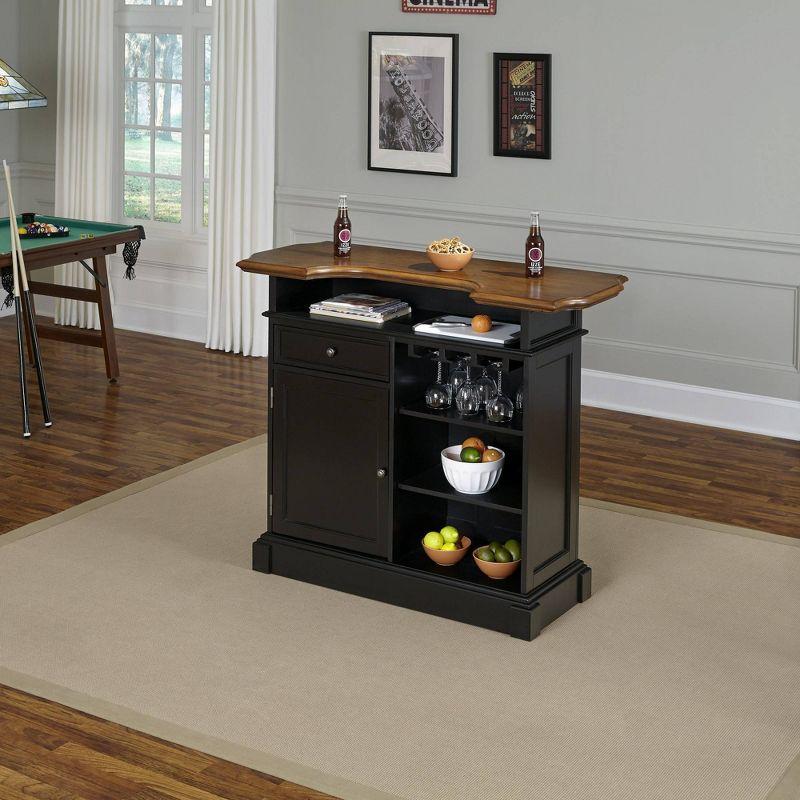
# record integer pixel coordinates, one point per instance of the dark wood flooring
(176, 402)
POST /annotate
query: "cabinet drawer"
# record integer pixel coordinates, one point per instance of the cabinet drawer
(346, 354)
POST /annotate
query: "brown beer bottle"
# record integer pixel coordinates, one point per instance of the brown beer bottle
(534, 249)
(342, 232)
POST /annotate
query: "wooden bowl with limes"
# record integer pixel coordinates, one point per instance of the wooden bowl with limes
(447, 558)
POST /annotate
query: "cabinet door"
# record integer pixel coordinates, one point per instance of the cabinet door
(330, 460)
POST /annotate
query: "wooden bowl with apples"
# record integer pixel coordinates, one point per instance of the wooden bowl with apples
(446, 547)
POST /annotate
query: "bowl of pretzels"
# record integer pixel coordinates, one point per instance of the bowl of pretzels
(450, 255)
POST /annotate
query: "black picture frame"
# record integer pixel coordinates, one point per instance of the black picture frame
(416, 162)
(504, 98)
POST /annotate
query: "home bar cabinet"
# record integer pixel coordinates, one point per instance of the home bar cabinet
(354, 473)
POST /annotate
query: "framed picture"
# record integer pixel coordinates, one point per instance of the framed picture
(413, 103)
(522, 105)
(484, 7)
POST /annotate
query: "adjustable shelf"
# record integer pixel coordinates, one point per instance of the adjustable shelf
(451, 416)
(506, 496)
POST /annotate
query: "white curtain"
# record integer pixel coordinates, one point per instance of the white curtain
(242, 171)
(85, 130)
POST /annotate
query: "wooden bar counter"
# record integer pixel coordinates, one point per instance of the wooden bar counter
(354, 474)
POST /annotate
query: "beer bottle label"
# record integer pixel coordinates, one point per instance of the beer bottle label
(344, 240)
(535, 255)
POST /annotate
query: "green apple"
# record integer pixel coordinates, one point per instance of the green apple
(433, 540)
(450, 534)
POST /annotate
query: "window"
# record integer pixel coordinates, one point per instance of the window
(165, 99)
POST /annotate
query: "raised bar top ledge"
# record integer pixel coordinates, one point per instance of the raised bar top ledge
(494, 283)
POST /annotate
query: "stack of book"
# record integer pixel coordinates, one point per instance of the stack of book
(361, 307)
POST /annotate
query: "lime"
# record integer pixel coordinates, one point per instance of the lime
(448, 546)
(485, 554)
(502, 555)
(493, 546)
(450, 534)
(471, 455)
(514, 547)
(433, 540)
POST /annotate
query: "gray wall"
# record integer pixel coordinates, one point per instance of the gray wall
(675, 161)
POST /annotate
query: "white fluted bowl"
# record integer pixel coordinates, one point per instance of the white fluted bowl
(470, 478)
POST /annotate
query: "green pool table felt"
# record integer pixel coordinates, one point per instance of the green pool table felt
(77, 228)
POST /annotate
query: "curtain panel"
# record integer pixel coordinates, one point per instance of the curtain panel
(241, 212)
(85, 131)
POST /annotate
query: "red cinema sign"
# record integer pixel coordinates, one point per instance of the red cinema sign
(451, 6)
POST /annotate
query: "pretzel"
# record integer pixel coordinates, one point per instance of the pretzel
(451, 246)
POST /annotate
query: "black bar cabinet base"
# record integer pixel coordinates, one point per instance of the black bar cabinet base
(520, 616)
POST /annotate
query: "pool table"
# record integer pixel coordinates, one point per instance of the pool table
(87, 240)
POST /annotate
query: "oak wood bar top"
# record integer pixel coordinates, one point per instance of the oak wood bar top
(494, 283)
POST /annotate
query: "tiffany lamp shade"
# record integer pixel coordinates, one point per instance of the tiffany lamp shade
(16, 92)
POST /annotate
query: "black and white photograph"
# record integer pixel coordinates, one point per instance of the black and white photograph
(412, 108)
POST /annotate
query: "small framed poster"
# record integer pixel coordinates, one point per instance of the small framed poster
(450, 6)
(413, 103)
(522, 105)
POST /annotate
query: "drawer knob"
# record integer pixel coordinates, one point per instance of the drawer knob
(381, 473)
(331, 352)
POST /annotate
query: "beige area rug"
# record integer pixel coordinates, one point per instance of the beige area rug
(679, 679)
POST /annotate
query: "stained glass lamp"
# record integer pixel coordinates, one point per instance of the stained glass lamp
(16, 92)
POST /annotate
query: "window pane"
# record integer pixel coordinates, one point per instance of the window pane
(205, 155)
(137, 197)
(168, 200)
(168, 153)
(137, 150)
(207, 57)
(205, 204)
(208, 108)
(169, 105)
(137, 103)
(138, 2)
(137, 55)
(209, 3)
(169, 2)
(169, 56)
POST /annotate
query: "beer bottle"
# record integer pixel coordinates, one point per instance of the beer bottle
(534, 249)
(342, 232)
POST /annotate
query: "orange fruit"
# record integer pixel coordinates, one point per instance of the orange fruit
(491, 455)
(475, 442)
(481, 323)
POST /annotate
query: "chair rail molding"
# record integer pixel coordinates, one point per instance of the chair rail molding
(707, 331)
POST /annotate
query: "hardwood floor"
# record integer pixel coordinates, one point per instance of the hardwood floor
(176, 402)
(51, 752)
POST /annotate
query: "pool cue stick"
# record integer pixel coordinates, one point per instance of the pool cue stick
(23, 388)
(28, 301)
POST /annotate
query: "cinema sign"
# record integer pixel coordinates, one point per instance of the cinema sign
(451, 6)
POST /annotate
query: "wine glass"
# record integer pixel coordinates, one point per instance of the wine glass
(468, 398)
(500, 408)
(520, 401)
(458, 376)
(487, 388)
(438, 395)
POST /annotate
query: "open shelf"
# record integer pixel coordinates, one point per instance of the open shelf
(451, 416)
(506, 496)
(465, 571)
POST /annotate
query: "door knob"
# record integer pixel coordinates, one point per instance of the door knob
(331, 352)
(381, 473)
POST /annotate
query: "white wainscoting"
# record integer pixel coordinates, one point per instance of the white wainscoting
(707, 330)
(169, 295)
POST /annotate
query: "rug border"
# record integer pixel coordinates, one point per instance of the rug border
(787, 787)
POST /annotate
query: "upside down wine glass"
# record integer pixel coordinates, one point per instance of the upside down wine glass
(438, 395)
(487, 388)
(500, 408)
(468, 399)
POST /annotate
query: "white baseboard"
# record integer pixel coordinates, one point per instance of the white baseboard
(770, 416)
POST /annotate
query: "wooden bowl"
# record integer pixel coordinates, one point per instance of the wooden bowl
(450, 262)
(446, 558)
(494, 569)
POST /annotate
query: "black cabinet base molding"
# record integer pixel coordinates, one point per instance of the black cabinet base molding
(521, 616)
